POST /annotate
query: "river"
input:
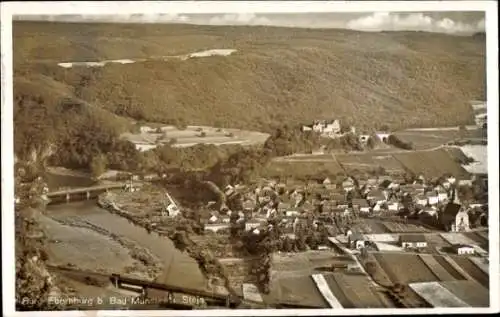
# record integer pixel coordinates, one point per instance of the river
(82, 233)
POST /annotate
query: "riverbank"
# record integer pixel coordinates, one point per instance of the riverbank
(179, 229)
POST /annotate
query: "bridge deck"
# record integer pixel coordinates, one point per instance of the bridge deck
(86, 189)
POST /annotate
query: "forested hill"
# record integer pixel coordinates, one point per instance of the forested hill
(277, 75)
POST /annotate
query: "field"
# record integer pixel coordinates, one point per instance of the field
(404, 228)
(469, 291)
(449, 268)
(192, 135)
(358, 290)
(382, 237)
(431, 164)
(369, 162)
(435, 242)
(436, 268)
(369, 226)
(470, 268)
(405, 268)
(478, 239)
(437, 295)
(299, 169)
(380, 275)
(428, 139)
(291, 276)
(481, 263)
(299, 289)
(305, 263)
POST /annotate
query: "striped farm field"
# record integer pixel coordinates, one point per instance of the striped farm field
(478, 239)
(403, 227)
(370, 161)
(358, 290)
(405, 268)
(472, 269)
(432, 163)
(436, 268)
(456, 275)
(302, 169)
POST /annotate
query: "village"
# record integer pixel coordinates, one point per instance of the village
(389, 238)
(347, 236)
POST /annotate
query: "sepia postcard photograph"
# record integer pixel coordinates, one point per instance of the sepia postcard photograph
(249, 158)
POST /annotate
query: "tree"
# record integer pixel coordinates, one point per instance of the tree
(98, 165)
(180, 240)
(384, 128)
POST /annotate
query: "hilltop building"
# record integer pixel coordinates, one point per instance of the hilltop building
(327, 128)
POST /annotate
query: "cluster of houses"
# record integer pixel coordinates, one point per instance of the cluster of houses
(408, 241)
(324, 199)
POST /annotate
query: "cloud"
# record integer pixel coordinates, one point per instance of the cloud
(383, 21)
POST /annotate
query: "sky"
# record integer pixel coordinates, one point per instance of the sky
(442, 22)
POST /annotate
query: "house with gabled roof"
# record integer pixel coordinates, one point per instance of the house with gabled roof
(420, 200)
(307, 206)
(360, 203)
(455, 218)
(348, 184)
(412, 241)
(356, 240)
(432, 198)
(376, 196)
(249, 205)
(463, 249)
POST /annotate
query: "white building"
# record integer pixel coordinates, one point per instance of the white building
(252, 225)
(464, 249)
(326, 128)
(384, 137)
(421, 200)
(432, 198)
(213, 219)
(393, 206)
(442, 196)
(216, 227)
(412, 241)
(142, 147)
(465, 182)
(364, 209)
(146, 129)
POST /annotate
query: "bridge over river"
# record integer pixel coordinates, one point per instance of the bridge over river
(87, 193)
